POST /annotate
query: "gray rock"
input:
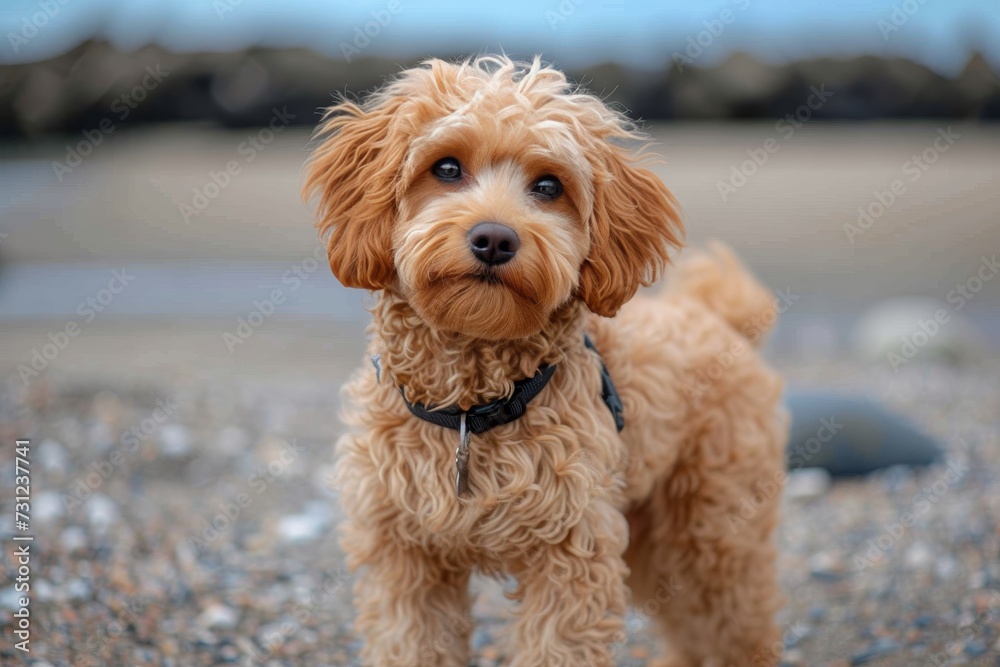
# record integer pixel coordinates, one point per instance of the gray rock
(849, 435)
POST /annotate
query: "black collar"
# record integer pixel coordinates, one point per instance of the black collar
(481, 418)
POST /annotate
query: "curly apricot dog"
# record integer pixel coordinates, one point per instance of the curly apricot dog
(503, 218)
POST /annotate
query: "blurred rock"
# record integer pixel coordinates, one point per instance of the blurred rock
(897, 332)
(306, 526)
(847, 435)
(102, 512)
(52, 456)
(73, 538)
(47, 507)
(807, 483)
(218, 616)
(174, 441)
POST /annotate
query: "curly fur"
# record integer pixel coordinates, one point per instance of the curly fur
(578, 513)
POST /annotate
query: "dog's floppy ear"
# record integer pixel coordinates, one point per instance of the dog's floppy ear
(634, 222)
(354, 173)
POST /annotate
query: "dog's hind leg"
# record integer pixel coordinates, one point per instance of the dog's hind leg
(702, 555)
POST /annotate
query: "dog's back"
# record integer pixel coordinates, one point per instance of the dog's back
(706, 439)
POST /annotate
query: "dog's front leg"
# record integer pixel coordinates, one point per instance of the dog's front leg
(573, 596)
(412, 611)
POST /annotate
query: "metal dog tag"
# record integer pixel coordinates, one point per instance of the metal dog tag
(462, 459)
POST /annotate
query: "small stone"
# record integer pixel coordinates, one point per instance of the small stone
(918, 556)
(306, 526)
(10, 599)
(481, 637)
(47, 507)
(946, 568)
(826, 567)
(975, 648)
(218, 615)
(77, 589)
(102, 512)
(880, 648)
(817, 614)
(44, 590)
(73, 538)
(793, 658)
(807, 483)
(52, 456)
(174, 441)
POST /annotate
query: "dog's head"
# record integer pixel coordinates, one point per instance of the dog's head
(488, 194)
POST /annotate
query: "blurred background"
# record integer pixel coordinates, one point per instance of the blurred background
(172, 341)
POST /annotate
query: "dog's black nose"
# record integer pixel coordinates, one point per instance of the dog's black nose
(493, 244)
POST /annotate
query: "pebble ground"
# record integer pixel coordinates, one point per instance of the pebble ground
(207, 537)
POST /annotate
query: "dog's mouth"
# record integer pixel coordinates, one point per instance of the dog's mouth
(489, 277)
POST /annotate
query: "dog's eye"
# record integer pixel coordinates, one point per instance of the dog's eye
(447, 169)
(548, 187)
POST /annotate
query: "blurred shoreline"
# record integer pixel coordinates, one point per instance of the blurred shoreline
(794, 220)
(95, 87)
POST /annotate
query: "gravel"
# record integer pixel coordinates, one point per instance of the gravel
(210, 540)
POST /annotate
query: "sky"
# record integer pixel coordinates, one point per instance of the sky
(939, 33)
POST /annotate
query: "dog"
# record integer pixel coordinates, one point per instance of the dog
(526, 416)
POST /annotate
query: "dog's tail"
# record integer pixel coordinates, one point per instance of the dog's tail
(720, 281)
